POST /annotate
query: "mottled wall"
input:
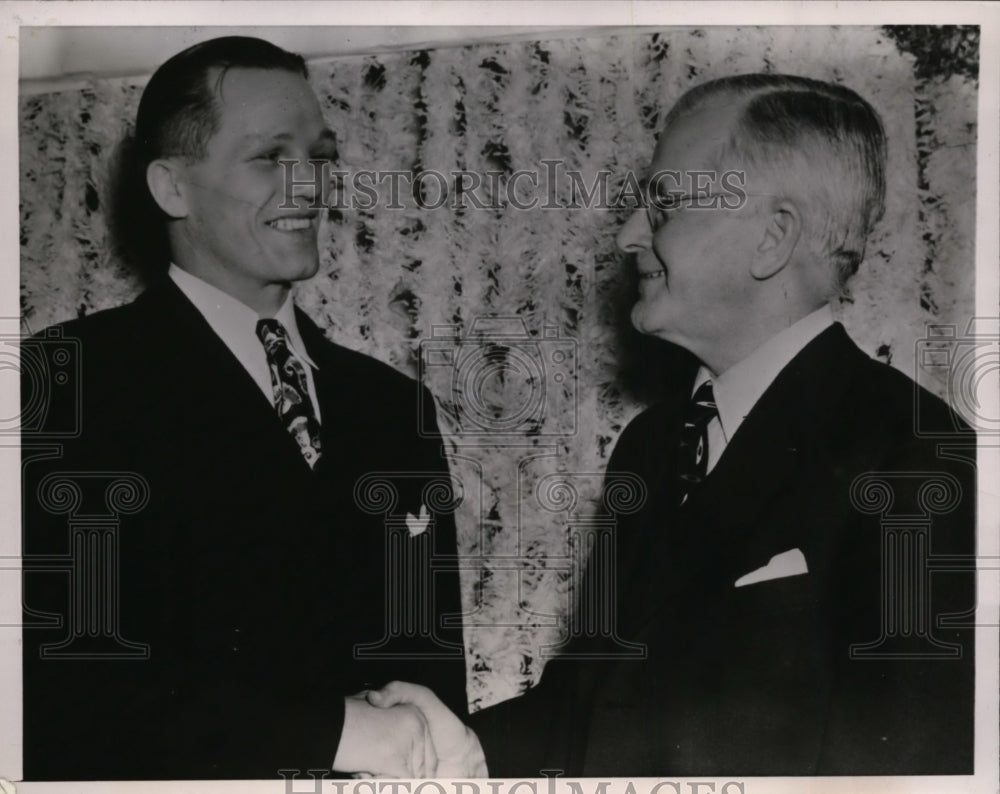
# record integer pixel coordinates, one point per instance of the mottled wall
(388, 276)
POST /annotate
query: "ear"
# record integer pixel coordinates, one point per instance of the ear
(781, 234)
(165, 185)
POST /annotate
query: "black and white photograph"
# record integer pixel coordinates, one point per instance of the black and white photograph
(572, 397)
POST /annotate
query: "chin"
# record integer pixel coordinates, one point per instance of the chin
(310, 270)
(299, 270)
(645, 324)
(641, 320)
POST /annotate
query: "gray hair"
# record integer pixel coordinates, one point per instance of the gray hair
(818, 142)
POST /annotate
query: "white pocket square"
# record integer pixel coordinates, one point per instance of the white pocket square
(788, 563)
(417, 524)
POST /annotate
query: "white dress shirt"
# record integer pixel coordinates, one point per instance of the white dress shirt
(738, 389)
(235, 323)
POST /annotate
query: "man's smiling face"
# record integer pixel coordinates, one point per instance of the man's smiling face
(240, 232)
(694, 277)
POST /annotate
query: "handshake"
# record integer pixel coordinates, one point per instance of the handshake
(404, 730)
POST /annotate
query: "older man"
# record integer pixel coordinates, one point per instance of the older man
(778, 573)
(250, 596)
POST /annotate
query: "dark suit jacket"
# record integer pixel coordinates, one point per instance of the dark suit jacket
(250, 577)
(761, 679)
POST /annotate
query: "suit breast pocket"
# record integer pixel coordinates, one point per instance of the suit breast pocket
(773, 596)
(776, 611)
(774, 634)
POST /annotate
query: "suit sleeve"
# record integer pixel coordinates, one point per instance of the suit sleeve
(103, 720)
(904, 687)
(546, 728)
(445, 675)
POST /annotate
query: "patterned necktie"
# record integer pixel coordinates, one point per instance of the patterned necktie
(291, 389)
(692, 459)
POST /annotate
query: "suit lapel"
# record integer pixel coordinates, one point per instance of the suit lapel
(764, 454)
(205, 382)
(720, 528)
(723, 531)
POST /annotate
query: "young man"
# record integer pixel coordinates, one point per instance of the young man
(249, 590)
(778, 575)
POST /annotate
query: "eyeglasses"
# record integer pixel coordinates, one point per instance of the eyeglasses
(659, 208)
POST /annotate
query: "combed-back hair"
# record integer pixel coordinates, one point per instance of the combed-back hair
(178, 114)
(817, 142)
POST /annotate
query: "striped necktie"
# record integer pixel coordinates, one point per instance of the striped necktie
(692, 458)
(291, 389)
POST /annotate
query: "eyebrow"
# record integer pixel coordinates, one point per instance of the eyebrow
(326, 136)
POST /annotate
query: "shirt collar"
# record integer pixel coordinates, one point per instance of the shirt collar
(286, 316)
(738, 389)
(232, 320)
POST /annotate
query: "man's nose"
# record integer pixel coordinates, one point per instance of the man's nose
(635, 235)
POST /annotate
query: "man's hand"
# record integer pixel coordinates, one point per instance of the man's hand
(459, 753)
(384, 742)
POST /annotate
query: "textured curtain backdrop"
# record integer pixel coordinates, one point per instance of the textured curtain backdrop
(390, 275)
